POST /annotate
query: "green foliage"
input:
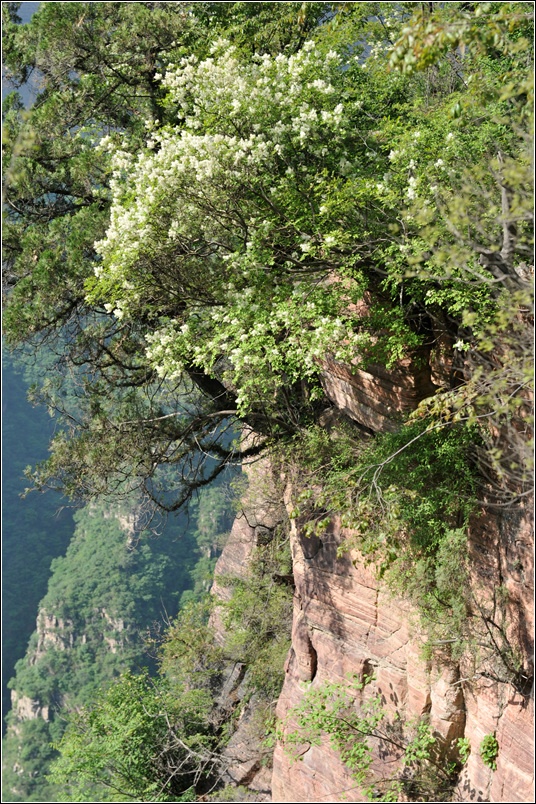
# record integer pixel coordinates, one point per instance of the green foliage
(496, 396)
(258, 616)
(33, 752)
(136, 741)
(356, 724)
(110, 587)
(489, 751)
(328, 710)
(188, 653)
(262, 27)
(464, 749)
(471, 197)
(154, 739)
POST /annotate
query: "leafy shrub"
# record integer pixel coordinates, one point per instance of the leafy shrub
(138, 740)
(464, 749)
(406, 498)
(258, 616)
(355, 722)
(188, 653)
(489, 751)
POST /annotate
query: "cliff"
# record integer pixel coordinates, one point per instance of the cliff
(347, 623)
(247, 759)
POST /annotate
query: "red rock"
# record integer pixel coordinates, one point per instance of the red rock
(378, 398)
(346, 624)
(356, 627)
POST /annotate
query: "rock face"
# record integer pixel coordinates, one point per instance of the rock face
(247, 759)
(378, 398)
(26, 708)
(346, 624)
(52, 632)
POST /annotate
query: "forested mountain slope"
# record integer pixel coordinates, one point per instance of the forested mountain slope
(34, 531)
(108, 598)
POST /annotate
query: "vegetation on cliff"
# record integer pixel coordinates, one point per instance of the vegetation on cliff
(354, 721)
(406, 499)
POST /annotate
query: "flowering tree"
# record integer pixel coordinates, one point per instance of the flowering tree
(227, 227)
(96, 67)
(349, 193)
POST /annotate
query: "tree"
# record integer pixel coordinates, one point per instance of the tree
(277, 207)
(95, 65)
(115, 350)
(470, 194)
(136, 742)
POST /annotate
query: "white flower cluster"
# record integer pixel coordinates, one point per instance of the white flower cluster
(244, 130)
(411, 191)
(274, 87)
(249, 335)
(238, 118)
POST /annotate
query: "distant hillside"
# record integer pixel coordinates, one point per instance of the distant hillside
(34, 530)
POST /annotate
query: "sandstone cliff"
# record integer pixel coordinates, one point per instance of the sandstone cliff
(347, 623)
(247, 759)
